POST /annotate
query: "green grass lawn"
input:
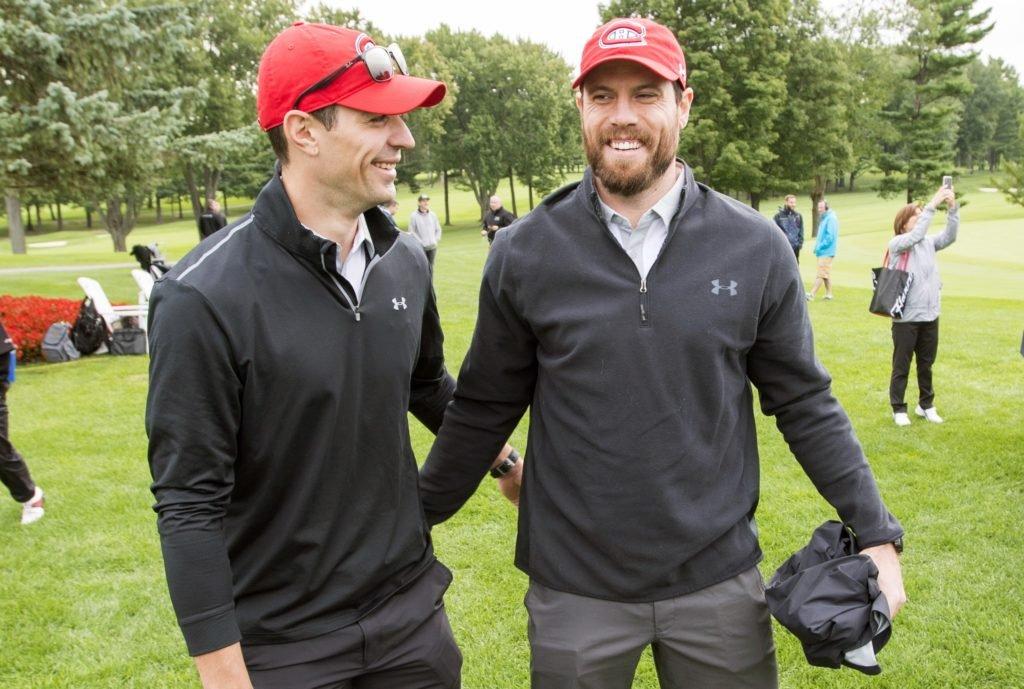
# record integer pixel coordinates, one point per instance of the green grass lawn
(84, 602)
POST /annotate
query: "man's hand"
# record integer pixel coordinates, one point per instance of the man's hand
(890, 575)
(509, 483)
(223, 669)
(483, 233)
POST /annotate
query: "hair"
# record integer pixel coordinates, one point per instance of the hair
(279, 142)
(790, 196)
(902, 216)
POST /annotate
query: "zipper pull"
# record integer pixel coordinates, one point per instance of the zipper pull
(643, 299)
(358, 315)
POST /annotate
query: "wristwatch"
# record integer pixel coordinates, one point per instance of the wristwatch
(506, 465)
(898, 545)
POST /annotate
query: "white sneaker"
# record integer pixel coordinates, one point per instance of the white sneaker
(32, 510)
(929, 414)
(901, 418)
(809, 296)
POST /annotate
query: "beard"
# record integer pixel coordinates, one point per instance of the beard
(624, 178)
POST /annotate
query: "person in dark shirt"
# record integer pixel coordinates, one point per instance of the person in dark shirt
(14, 472)
(285, 359)
(792, 225)
(633, 313)
(496, 218)
(211, 220)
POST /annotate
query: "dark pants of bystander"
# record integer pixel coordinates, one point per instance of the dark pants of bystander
(920, 340)
(13, 471)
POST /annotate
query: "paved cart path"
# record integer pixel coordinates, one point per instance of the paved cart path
(82, 268)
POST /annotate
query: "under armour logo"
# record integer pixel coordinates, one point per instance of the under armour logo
(399, 303)
(717, 287)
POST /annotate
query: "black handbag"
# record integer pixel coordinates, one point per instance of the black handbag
(891, 287)
(128, 341)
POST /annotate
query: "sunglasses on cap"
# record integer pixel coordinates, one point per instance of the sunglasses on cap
(380, 63)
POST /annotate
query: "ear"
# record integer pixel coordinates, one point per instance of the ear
(579, 99)
(684, 107)
(300, 134)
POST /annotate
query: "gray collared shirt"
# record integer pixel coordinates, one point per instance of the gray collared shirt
(643, 243)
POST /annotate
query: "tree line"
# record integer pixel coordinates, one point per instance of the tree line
(116, 104)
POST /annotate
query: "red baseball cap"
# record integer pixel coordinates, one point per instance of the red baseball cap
(303, 54)
(638, 40)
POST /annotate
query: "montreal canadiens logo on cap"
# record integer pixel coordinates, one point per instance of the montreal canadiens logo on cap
(624, 34)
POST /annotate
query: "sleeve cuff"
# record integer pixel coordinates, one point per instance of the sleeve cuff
(880, 535)
(211, 633)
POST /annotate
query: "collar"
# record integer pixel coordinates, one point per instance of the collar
(587, 194)
(274, 215)
(665, 208)
(362, 237)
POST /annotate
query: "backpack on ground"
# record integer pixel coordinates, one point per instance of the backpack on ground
(90, 330)
(57, 345)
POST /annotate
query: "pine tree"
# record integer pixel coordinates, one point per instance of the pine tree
(926, 110)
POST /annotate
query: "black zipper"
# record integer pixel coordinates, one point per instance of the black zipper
(645, 307)
(344, 293)
(645, 320)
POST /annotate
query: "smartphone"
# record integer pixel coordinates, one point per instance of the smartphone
(947, 182)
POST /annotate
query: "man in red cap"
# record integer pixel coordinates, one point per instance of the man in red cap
(286, 351)
(631, 312)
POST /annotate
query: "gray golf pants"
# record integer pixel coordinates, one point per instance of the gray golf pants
(717, 638)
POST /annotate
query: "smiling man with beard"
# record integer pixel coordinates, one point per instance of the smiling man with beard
(631, 312)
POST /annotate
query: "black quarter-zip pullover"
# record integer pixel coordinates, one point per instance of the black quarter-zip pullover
(282, 467)
(642, 471)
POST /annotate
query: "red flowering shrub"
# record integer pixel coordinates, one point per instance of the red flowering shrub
(27, 318)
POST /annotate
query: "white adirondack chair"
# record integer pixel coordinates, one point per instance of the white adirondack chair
(110, 313)
(145, 282)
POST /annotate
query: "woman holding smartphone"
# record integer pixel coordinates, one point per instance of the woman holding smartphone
(916, 333)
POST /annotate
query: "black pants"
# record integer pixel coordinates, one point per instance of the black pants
(13, 471)
(796, 252)
(406, 643)
(910, 340)
(431, 253)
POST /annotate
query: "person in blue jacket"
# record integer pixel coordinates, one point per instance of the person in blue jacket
(825, 249)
